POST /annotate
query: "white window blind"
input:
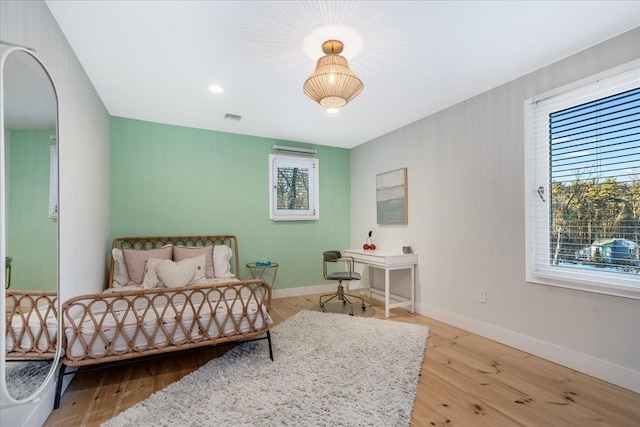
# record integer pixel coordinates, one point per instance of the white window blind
(583, 186)
(293, 188)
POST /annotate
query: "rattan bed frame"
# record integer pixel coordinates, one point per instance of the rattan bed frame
(113, 327)
(32, 308)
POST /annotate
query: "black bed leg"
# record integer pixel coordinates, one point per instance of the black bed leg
(56, 403)
(270, 347)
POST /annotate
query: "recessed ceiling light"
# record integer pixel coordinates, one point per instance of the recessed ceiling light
(216, 88)
(333, 110)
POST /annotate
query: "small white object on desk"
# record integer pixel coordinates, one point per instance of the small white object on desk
(388, 261)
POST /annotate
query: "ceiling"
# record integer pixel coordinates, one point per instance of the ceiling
(154, 60)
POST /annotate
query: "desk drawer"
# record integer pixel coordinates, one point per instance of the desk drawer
(381, 258)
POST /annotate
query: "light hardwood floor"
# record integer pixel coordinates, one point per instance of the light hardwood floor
(466, 380)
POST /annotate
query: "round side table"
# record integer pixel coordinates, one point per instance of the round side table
(257, 271)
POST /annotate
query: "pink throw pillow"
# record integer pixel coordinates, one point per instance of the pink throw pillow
(136, 260)
(183, 252)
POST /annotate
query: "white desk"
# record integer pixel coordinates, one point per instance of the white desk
(388, 261)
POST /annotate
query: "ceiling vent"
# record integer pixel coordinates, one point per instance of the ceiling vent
(230, 116)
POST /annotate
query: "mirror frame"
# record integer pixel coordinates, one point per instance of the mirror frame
(5, 398)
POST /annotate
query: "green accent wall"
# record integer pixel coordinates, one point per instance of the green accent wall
(32, 237)
(172, 180)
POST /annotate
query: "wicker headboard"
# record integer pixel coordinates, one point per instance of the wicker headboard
(156, 242)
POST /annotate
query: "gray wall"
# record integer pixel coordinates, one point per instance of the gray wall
(84, 163)
(467, 225)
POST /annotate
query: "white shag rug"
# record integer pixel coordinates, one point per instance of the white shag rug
(329, 370)
(23, 378)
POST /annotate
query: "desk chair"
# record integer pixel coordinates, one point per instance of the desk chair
(336, 257)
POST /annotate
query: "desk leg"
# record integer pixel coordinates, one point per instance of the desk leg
(386, 292)
(370, 273)
(413, 288)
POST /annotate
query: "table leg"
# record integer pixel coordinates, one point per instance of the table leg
(386, 292)
(413, 289)
(370, 274)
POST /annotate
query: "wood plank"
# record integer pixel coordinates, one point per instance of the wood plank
(480, 384)
(462, 408)
(514, 399)
(558, 385)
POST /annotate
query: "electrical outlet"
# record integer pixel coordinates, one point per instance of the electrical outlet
(482, 296)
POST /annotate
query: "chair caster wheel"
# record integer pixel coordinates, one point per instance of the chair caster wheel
(344, 303)
(364, 308)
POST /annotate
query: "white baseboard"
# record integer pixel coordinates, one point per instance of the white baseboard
(304, 290)
(606, 371)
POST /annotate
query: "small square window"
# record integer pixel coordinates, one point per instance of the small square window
(293, 188)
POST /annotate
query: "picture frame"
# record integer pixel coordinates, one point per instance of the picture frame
(391, 197)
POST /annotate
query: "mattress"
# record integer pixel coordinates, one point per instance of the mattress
(41, 330)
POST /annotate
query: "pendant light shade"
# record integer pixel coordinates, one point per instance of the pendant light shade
(332, 84)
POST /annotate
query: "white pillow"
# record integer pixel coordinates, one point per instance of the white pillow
(151, 279)
(120, 272)
(222, 254)
(176, 274)
(200, 275)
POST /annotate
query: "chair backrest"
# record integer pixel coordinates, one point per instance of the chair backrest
(331, 256)
(334, 257)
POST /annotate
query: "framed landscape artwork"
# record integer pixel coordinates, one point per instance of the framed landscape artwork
(391, 197)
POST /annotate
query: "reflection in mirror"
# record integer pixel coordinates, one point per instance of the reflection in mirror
(31, 228)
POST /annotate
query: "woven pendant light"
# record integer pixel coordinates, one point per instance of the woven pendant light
(332, 84)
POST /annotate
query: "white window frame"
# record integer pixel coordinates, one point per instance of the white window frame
(53, 181)
(538, 268)
(313, 213)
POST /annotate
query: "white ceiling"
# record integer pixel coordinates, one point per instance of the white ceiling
(154, 60)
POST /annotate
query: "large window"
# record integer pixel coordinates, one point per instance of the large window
(583, 185)
(293, 190)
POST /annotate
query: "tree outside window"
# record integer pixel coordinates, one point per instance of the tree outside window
(293, 188)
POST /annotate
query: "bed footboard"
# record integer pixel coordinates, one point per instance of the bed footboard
(31, 324)
(117, 326)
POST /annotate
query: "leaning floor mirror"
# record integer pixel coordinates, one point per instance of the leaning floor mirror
(28, 225)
